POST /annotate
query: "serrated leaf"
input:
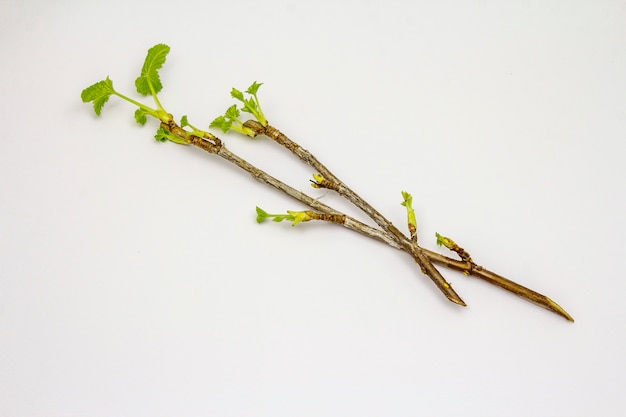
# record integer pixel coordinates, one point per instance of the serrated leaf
(149, 72)
(234, 93)
(232, 112)
(261, 215)
(140, 116)
(217, 122)
(162, 135)
(221, 123)
(254, 88)
(250, 106)
(99, 93)
(183, 121)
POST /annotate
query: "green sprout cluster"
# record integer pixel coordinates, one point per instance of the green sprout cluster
(250, 104)
(408, 203)
(444, 241)
(147, 84)
(294, 217)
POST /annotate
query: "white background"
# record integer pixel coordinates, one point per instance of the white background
(134, 280)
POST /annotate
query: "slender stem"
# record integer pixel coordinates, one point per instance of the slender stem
(213, 145)
(262, 176)
(142, 106)
(410, 247)
(499, 281)
(154, 95)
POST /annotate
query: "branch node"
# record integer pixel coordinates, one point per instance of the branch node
(319, 181)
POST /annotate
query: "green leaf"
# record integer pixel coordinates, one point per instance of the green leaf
(253, 88)
(442, 240)
(149, 83)
(162, 135)
(234, 93)
(217, 122)
(221, 123)
(408, 200)
(250, 107)
(140, 116)
(261, 215)
(251, 103)
(99, 93)
(184, 122)
(232, 112)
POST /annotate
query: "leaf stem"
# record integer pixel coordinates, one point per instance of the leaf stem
(159, 114)
(142, 106)
(156, 98)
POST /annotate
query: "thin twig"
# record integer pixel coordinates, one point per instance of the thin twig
(215, 146)
(467, 266)
(342, 189)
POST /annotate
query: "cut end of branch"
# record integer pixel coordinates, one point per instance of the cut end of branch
(554, 307)
(458, 301)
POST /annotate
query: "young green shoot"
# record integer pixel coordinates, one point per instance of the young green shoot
(292, 216)
(163, 135)
(451, 244)
(445, 241)
(251, 104)
(148, 83)
(184, 122)
(301, 216)
(408, 203)
(230, 121)
(100, 92)
(319, 181)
